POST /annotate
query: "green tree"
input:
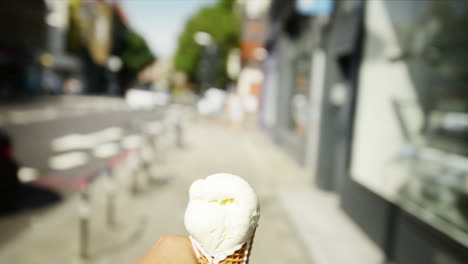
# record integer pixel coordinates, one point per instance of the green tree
(126, 44)
(73, 37)
(135, 54)
(132, 50)
(223, 25)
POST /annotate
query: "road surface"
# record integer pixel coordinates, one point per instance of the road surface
(71, 136)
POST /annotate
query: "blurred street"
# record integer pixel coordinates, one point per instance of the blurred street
(80, 130)
(158, 208)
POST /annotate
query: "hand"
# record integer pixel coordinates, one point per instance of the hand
(170, 249)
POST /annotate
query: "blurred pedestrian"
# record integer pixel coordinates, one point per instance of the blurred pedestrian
(72, 86)
(51, 82)
(248, 88)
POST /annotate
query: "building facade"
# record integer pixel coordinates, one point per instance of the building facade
(370, 98)
(23, 38)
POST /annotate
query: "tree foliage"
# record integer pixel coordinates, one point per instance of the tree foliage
(135, 55)
(73, 38)
(125, 43)
(223, 25)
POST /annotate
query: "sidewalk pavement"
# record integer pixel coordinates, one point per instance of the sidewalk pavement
(52, 235)
(297, 221)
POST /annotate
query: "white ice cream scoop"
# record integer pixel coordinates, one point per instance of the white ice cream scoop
(222, 214)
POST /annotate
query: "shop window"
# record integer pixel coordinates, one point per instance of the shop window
(411, 132)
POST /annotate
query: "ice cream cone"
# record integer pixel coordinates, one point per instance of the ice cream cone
(221, 218)
(241, 256)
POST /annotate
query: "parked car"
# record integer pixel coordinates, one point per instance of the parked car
(138, 98)
(212, 102)
(9, 182)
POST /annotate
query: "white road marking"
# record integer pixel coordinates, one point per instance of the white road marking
(106, 135)
(131, 141)
(29, 116)
(106, 150)
(71, 142)
(68, 160)
(86, 141)
(26, 174)
(153, 127)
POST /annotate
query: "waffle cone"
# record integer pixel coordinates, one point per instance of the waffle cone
(241, 255)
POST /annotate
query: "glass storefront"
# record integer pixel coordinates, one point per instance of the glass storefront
(411, 132)
(294, 50)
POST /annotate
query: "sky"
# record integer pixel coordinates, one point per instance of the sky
(161, 21)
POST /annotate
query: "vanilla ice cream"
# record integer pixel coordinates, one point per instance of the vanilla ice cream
(221, 215)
